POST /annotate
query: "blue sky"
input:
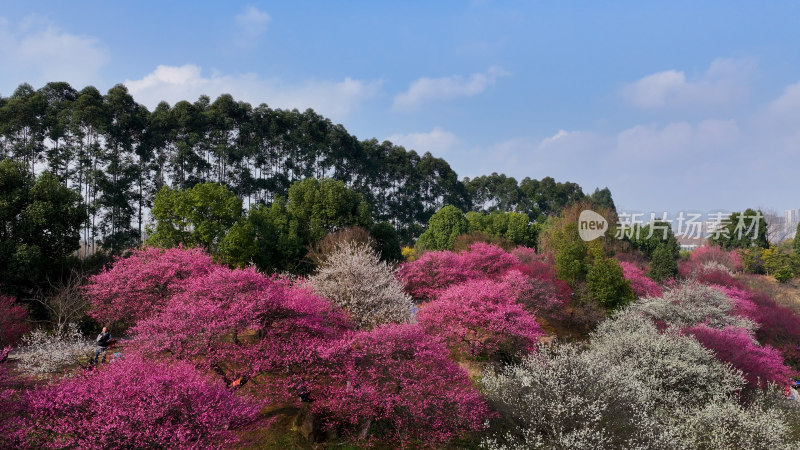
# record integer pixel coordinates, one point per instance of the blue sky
(672, 105)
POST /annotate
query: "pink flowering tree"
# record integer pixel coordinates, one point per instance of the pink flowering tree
(713, 254)
(435, 271)
(395, 384)
(735, 346)
(133, 288)
(134, 403)
(13, 321)
(241, 324)
(482, 318)
(642, 285)
(544, 294)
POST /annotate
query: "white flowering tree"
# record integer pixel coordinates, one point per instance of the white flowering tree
(690, 304)
(354, 277)
(632, 387)
(48, 353)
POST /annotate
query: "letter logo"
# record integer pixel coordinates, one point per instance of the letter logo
(591, 225)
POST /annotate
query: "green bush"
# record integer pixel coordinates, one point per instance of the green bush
(663, 265)
(607, 285)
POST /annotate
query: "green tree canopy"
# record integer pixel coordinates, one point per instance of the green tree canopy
(741, 230)
(200, 216)
(268, 237)
(443, 228)
(657, 233)
(40, 222)
(514, 226)
(326, 205)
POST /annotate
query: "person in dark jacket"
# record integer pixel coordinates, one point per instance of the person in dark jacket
(101, 343)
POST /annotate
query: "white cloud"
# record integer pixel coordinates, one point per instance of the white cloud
(37, 52)
(437, 141)
(679, 142)
(725, 83)
(445, 88)
(335, 99)
(783, 113)
(251, 23)
(559, 136)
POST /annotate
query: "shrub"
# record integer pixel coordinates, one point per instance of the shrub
(606, 284)
(135, 403)
(353, 277)
(751, 260)
(642, 285)
(663, 264)
(435, 271)
(49, 353)
(240, 325)
(133, 288)
(570, 257)
(397, 385)
(13, 321)
(408, 253)
(481, 318)
(778, 263)
(760, 365)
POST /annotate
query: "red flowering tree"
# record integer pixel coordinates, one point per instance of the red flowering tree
(134, 403)
(735, 346)
(135, 287)
(742, 302)
(718, 277)
(435, 271)
(13, 321)
(241, 324)
(482, 318)
(779, 326)
(642, 285)
(396, 384)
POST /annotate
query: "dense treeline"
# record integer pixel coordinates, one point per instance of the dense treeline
(117, 155)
